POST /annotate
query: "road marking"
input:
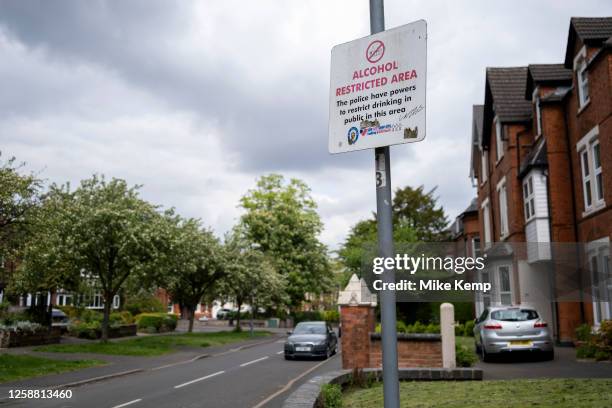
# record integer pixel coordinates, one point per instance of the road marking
(254, 361)
(128, 403)
(196, 358)
(199, 379)
(290, 383)
(281, 352)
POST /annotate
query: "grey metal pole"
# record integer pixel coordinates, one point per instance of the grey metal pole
(385, 246)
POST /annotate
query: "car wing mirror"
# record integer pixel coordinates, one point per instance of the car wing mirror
(289, 332)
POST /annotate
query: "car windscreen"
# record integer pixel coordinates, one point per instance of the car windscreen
(309, 329)
(514, 315)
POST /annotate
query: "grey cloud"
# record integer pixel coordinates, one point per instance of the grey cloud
(132, 38)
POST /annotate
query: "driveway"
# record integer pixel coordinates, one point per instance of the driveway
(564, 365)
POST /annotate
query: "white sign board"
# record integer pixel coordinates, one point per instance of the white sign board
(377, 89)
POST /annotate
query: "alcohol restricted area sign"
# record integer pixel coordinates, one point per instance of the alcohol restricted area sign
(377, 89)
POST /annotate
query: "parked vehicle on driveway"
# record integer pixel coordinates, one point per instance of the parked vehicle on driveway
(507, 329)
(223, 314)
(311, 339)
(59, 319)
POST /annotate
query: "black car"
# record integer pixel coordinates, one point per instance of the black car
(311, 339)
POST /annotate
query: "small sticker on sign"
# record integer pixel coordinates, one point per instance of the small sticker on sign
(381, 176)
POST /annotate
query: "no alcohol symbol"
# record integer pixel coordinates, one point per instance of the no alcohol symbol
(375, 51)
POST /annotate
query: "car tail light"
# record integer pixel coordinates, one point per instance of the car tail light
(540, 324)
(493, 326)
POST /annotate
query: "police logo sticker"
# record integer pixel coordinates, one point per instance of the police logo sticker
(353, 135)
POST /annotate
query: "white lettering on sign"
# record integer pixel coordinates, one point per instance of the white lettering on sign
(377, 89)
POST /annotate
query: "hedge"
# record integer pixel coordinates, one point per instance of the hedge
(156, 322)
(330, 316)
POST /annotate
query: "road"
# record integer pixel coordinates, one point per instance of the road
(254, 377)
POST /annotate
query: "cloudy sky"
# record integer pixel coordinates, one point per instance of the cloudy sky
(195, 100)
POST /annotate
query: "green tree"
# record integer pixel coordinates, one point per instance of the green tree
(251, 276)
(421, 212)
(102, 233)
(416, 218)
(194, 265)
(361, 243)
(43, 267)
(281, 220)
(19, 198)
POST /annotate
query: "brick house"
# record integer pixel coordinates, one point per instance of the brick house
(542, 164)
(465, 233)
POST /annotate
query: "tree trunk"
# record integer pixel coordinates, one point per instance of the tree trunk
(191, 318)
(184, 310)
(50, 310)
(239, 304)
(252, 316)
(105, 321)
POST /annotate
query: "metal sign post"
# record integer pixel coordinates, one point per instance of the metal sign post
(377, 99)
(384, 220)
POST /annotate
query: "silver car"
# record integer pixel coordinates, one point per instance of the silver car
(507, 329)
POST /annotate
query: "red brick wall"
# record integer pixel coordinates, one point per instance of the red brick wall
(598, 112)
(596, 225)
(357, 324)
(410, 353)
(516, 137)
(359, 350)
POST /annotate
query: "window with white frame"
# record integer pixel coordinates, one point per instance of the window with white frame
(499, 146)
(589, 152)
(582, 79)
(529, 198)
(601, 279)
(484, 165)
(486, 220)
(64, 299)
(597, 171)
(475, 247)
(95, 301)
(505, 291)
(116, 301)
(503, 208)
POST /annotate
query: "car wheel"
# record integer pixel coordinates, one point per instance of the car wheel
(477, 347)
(549, 355)
(328, 353)
(486, 357)
(288, 357)
(335, 349)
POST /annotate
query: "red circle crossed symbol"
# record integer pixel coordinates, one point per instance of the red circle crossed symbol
(375, 51)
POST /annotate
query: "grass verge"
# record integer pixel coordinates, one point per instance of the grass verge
(17, 367)
(153, 345)
(557, 393)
